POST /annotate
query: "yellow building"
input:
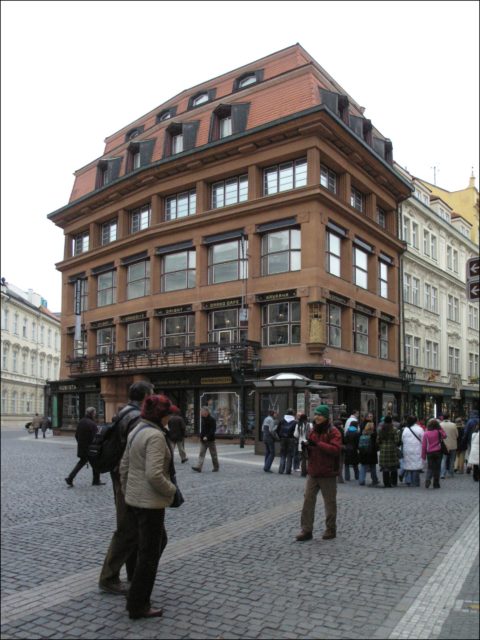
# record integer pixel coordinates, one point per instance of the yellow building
(463, 202)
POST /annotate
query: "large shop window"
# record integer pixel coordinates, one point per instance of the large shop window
(178, 331)
(230, 191)
(360, 333)
(224, 406)
(281, 324)
(106, 288)
(178, 271)
(281, 251)
(138, 279)
(227, 261)
(285, 176)
(138, 335)
(224, 327)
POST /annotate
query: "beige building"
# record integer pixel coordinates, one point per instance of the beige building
(30, 345)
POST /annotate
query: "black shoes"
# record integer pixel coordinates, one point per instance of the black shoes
(303, 536)
(196, 469)
(150, 613)
(97, 484)
(185, 460)
(69, 482)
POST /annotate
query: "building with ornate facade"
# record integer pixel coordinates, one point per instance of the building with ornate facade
(250, 221)
(30, 345)
(440, 337)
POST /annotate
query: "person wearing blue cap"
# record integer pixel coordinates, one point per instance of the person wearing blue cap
(324, 444)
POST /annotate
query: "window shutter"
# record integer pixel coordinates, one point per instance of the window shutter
(190, 134)
(114, 169)
(379, 146)
(356, 125)
(329, 99)
(240, 117)
(146, 151)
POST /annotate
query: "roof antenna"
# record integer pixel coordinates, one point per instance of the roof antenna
(435, 174)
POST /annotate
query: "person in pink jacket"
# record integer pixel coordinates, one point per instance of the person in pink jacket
(432, 452)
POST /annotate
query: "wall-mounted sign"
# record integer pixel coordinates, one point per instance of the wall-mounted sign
(173, 311)
(102, 323)
(277, 295)
(221, 304)
(133, 317)
(387, 318)
(360, 307)
(219, 380)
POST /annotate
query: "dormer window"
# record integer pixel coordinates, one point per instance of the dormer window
(201, 98)
(133, 133)
(166, 114)
(228, 119)
(180, 137)
(139, 154)
(248, 79)
(107, 171)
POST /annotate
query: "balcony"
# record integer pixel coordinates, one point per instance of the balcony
(207, 354)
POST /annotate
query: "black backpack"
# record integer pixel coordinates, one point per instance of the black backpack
(107, 447)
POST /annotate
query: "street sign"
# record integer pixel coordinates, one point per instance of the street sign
(473, 290)
(473, 269)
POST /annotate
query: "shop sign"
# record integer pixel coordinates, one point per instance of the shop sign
(278, 295)
(133, 317)
(177, 382)
(221, 304)
(219, 380)
(334, 297)
(363, 309)
(102, 323)
(172, 311)
(384, 316)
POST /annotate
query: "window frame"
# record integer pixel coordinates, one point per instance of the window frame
(382, 279)
(241, 261)
(184, 338)
(333, 326)
(297, 173)
(359, 270)
(290, 251)
(357, 335)
(357, 199)
(292, 323)
(109, 231)
(189, 271)
(332, 256)
(191, 206)
(383, 341)
(112, 288)
(145, 279)
(137, 215)
(81, 243)
(142, 342)
(241, 183)
(328, 178)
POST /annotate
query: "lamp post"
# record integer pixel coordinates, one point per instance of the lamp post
(239, 367)
(408, 377)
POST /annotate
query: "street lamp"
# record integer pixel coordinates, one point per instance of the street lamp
(239, 367)
(408, 377)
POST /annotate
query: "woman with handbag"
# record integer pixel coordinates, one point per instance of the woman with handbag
(433, 449)
(412, 436)
(148, 483)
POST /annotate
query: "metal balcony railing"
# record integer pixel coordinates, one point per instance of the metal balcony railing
(208, 354)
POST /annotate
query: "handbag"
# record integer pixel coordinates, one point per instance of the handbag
(443, 446)
(178, 498)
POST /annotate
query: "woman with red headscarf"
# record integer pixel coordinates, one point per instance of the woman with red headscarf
(146, 472)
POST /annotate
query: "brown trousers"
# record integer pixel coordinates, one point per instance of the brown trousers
(328, 487)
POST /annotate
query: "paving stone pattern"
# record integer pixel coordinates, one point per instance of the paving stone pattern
(232, 568)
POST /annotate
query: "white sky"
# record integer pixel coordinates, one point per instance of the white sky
(73, 73)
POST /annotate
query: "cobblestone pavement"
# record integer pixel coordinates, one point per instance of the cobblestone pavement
(404, 563)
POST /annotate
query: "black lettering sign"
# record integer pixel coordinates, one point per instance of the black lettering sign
(172, 311)
(222, 304)
(278, 295)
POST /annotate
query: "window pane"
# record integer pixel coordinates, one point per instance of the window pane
(174, 281)
(285, 177)
(224, 252)
(277, 263)
(270, 181)
(334, 266)
(360, 259)
(175, 262)
(295, 261)
(217, 195)
(225, 272)
(278, 334)
(300, 173)
(278, 241)
(231, 191)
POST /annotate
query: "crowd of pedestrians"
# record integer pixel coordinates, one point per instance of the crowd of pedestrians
(401, 450)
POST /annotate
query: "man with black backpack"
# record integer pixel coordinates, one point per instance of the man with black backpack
(123, 546)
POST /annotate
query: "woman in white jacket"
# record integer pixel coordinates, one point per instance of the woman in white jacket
(146, 470)
(412, 451)
(474, 457)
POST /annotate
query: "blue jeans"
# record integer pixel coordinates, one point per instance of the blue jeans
(412, 477)
(450, 456)
(372, 468)
(269, 443)
(347, 471)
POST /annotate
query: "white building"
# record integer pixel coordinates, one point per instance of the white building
(30, 352)
(440, 336)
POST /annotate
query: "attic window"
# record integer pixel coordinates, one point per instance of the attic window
(251, 78)
(247, 79)
(203, 97)
(133, 133)
(164, 115)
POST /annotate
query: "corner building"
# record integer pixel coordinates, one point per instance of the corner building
(254, 216)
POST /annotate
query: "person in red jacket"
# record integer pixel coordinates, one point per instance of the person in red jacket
(324, 446)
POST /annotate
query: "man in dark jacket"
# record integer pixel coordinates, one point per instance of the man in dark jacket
(177, 431)
(123, 546)
(207, 440)
(86, 430)
(286, 429)
(324, 445)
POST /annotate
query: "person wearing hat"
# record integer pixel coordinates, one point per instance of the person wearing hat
(324, 444)
(146, 473)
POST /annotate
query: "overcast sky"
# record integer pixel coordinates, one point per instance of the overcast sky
(75, 72)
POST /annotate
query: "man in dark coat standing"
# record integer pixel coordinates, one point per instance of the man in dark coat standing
(86, 430)
(324, 445)
(124, 543)
(207, 440)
